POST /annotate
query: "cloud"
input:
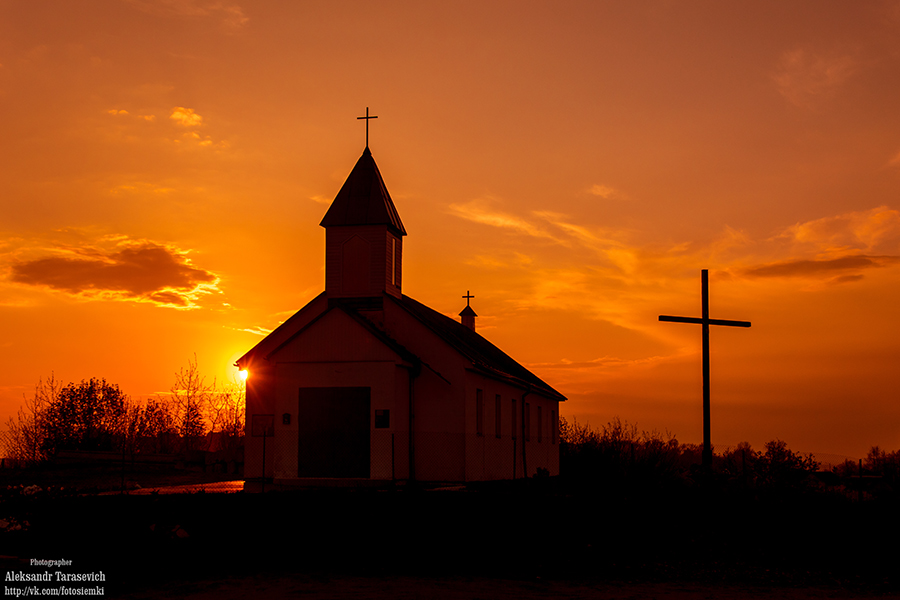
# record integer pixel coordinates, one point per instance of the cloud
(819, 268)
(231, 15)
(837, 248)
(605, 192)
(256, 330)
(186, 117)
(803, 76)
(478, 211)
(605, 362)
(141, 271)
(140, 187)
(861, 230)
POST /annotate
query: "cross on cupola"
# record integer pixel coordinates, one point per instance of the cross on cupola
(467, 316)
(367, 117)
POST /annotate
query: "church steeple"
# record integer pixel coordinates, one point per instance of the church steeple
(363, 236)
(364, 199)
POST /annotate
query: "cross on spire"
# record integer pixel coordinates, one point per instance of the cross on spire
(706, 322)
(468, 297)
(367, 117)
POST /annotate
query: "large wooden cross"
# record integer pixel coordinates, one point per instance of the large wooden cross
(367, 117)
(705, 321)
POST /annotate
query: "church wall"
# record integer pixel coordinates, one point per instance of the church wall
(439, 437)
(334, 337)
(335, 351)
(543, 447)
(379, 377)
(439, 405)
(490, 457)
(260, 401)
(260, 385)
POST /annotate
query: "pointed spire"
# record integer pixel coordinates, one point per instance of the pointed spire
(364, 199)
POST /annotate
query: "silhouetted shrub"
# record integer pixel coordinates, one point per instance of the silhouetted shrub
(779, 467)
(618, 457)
(616, 453)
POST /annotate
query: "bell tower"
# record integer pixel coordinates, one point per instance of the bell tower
(363, 238)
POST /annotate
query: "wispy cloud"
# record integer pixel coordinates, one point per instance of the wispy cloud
(130, 270)
(230, 15)
(142, 187)
(861, 231)
(612, 277)
(606, 192)
(481, 211)
(260, 331)
(803, 77)
(818, 268)
(604, 362)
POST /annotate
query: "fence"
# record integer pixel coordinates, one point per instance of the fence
(385, 456)
(79, 472)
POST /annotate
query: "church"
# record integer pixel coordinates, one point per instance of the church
(365, 385)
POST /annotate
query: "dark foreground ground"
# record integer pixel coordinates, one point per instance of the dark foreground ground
(539, 540)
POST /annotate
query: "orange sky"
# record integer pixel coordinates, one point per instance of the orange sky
(164, 165)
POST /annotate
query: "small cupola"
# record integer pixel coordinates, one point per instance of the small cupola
(467, 315)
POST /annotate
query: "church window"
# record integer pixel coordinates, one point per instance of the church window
(497, 423)
(554, 428)
(382, 419)
(393, 261)
(513, 421)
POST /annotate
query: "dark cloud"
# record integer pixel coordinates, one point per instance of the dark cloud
(846, 278)
(138, 271)
(821, 268)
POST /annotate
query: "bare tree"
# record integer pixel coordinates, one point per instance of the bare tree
(191, 396)
(24, 437)
(226, 413)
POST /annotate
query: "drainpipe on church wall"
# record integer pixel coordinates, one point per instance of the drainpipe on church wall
(414, 373)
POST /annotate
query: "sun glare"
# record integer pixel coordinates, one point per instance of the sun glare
(243, 373)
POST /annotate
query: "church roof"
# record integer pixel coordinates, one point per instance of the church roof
(364, 199)
(485, 356)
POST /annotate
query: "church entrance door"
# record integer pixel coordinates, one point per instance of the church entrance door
(334, 431)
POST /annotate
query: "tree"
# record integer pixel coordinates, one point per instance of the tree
(23, 439)
(85, 416)
(778, 466)
(191, 396)
(226, 413)
(149, 427)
